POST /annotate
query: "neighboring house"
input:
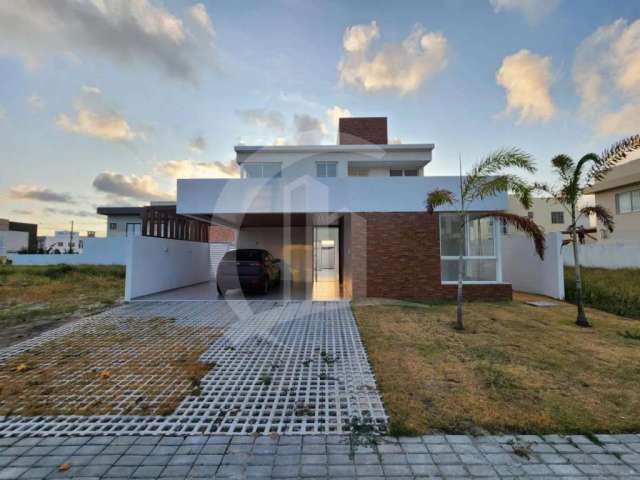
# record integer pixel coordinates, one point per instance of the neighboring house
(547, 213)
(17, 237)
(349, 217)
(122, 221)
(619, 192)
(61, 242)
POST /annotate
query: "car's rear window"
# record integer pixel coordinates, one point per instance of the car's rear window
(243, 255)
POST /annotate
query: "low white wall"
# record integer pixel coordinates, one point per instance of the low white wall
(606, 254)
(12, 241)
(159, 264)
(523, 269)
(96, 251)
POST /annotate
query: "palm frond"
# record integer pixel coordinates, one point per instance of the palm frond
(439, 197)
(563, 164)
(490, 186)
(524, 225)
(495, 162)
(602, 214)
(556, 194)
(613, 155)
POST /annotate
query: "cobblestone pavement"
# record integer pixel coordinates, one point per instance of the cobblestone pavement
(279, 366)
(315, 456)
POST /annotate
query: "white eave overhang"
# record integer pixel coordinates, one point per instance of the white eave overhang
(320, 149)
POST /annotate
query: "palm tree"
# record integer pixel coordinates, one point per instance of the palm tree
(486, 179)
(574, 179)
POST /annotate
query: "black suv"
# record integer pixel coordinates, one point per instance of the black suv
(249, 269)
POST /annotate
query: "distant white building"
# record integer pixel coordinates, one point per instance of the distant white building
(62, 241)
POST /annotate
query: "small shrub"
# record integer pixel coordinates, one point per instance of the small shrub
(631, 335)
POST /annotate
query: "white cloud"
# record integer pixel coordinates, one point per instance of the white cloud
(136, 187)
(527, 77)
(198, 144)
(191, 169)
(70, 212)
(606, 72)
(532, 9)
(359, 37)
(308, 130)
(622, 122)
(41, 194)
(401, 67)
(199, 13)
(36, 102)
(92, 117)
(124, 31)
(263, 118)
(335, 113)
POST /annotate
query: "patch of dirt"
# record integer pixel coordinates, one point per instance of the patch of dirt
(124, 366)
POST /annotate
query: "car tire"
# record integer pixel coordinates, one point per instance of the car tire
(220, 290)
(265, 288)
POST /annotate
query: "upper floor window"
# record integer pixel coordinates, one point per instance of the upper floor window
(403, 172)
(557, 217)
(261, 170)
(530, 215)
(627, 202)
(326, 169)
(113, 226)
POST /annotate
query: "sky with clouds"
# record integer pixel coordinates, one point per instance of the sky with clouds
(107, 102)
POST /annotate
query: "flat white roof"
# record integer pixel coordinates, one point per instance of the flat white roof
(399, 147)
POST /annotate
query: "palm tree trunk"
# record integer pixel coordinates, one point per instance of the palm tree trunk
(581, 320)
(459, 320)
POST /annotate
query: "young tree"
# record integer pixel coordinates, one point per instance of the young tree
(488, 178)
(574, 178)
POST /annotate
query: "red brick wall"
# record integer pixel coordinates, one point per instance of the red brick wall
(362, 130)
(220, 234)
(397, 255)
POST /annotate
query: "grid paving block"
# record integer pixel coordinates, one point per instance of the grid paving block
(36, 473)
(11, 473)
(148, 471)
(320, 377)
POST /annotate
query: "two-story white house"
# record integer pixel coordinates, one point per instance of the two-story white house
(346, 220)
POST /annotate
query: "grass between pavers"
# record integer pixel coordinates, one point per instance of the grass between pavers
(123, 366)
(516, 368)
(36, 298)
(614, 291)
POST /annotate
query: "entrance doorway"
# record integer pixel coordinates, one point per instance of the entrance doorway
(326, 263)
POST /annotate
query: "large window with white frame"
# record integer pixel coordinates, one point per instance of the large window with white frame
(262, 170)
(478, 237)
(627, 202)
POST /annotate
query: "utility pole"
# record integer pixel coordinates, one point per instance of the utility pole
(71, 238)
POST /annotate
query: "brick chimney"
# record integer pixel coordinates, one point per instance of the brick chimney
(362, 131)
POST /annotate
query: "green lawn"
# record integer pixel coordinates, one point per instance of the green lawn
(614, 291)
(33, 299)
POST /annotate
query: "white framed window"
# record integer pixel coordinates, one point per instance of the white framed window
(403, 172)
(262, 170)
(479, 239)
(557, 217)
(627, 202)
(326, 169)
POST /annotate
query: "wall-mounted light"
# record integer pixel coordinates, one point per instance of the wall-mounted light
(327, 243)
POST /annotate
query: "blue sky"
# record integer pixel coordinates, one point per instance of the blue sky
(108, 105)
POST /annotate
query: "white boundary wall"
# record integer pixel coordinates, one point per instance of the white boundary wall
(159, 264)
(96, 251)
(216, 252)
(523, 269)
(606, 254)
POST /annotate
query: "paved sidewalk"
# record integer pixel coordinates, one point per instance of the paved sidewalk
(315, 456)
